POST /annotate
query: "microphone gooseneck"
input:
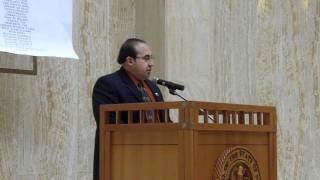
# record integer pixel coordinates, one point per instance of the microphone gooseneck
(172, 90)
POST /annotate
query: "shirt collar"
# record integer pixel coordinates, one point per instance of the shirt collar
(134, 79)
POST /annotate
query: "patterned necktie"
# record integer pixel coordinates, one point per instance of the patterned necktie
(148, 114)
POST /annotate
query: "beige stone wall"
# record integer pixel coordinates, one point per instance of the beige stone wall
(254, 52)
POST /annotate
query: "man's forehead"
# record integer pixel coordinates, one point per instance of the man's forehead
(143, 48)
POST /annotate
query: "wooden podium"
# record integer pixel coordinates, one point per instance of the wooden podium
(200, 141)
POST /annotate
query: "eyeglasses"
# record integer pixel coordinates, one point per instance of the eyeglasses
(146, 57)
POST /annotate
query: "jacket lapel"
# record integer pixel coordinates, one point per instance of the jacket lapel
(130, 85)
(155, 91)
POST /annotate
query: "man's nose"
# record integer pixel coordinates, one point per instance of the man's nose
(150, 62)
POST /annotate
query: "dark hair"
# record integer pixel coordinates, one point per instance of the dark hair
(128, 49)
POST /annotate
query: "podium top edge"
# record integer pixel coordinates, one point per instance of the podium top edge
(184, 104)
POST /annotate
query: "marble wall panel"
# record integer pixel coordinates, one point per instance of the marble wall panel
(21, 62)
(47, 126)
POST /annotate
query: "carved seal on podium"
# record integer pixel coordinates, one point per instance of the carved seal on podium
(236, 163)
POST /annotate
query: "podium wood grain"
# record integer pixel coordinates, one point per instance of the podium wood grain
(187, 148)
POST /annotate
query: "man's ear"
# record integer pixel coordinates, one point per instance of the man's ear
(130, 60)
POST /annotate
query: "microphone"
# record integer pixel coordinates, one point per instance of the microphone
(168, 84)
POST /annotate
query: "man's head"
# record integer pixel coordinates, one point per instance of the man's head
(135, 57)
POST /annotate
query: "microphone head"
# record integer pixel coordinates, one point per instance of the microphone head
(168, 84)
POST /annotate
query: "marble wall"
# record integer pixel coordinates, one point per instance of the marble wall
(263, 52)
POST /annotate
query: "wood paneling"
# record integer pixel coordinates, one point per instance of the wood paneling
(142, 150)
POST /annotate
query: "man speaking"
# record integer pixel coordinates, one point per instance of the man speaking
(130, 84)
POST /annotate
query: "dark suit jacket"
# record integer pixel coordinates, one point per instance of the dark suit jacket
(116, 88)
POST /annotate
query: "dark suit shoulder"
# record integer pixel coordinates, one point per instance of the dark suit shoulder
(106, 91)
(110, 77)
